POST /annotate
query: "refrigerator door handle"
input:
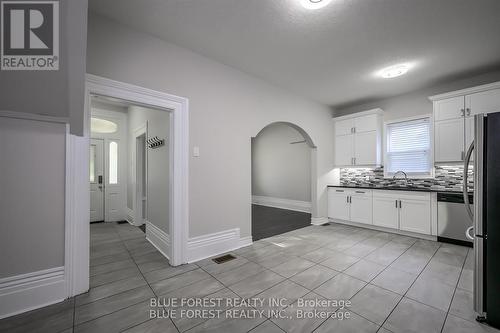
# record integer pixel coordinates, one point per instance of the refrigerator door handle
(468, 233)
(465, 181)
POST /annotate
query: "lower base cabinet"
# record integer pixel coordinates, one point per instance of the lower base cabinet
(385, 211)
(401, 210)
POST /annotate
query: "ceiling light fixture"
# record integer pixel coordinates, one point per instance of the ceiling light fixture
(394, 71)
(314, 4)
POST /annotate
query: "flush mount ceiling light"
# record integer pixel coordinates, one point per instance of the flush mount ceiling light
(314, 4)
(394, 71)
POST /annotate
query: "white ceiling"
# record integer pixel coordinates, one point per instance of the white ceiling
(330, 54)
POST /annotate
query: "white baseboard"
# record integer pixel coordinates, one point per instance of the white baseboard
(158, 238)
(319, 220)
(210, 245)
(384, 229)
(245, 241)
(296, 205)
(31, 291)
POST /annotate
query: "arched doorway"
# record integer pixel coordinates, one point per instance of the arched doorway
(283, 179)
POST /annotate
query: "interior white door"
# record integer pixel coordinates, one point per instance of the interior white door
(338, 206)
(361, 206)
(344, 150)
(365, 148)
(96, 180)
(449, 140)
(386, 212)
(113, 181)
(415, 216)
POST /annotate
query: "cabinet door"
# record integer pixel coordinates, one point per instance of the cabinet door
(469, 132)
(385, 212)
(483, 102)
(344, 146)
(451, 108)
(366, 123)
(415, 216)
(344, 127)
(338, 206)
(361, 206)
(366, 148)
(449, 140)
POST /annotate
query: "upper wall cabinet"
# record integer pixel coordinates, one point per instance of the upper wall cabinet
(453, 119)
(358, 139)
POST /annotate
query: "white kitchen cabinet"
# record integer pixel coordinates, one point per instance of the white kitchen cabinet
(366, 123)
(386, 211)
(469, 132)
(483, 102)
(361, 206)
(453, 119)
(344, 149)
(449, 140)
(403, 210)
(350, 205)
(415, 214)
(338, 203)
(358, 139)
(366, 148)
(450, 108)
(344, 127)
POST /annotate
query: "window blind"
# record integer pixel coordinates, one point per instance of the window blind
(409, 148)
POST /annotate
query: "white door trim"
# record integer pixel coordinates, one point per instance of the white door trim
(77, 194)
(137, 208)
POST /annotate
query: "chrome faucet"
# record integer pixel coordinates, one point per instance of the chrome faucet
(404, 173)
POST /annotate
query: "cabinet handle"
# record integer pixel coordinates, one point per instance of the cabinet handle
(396, 204)
(462, 112)
(354, 129)
(354, 160)
(347, 199)
(339, 190)
(400, 204)
(468, 112)
(462, 156)
(360, 192)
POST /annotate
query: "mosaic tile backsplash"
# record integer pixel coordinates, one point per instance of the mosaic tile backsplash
(447, 178)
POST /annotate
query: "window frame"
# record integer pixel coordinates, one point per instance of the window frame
(428, 117)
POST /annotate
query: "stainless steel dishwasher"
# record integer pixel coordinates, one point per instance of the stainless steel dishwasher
(453, 220)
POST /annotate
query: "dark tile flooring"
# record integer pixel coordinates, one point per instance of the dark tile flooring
(269, 221)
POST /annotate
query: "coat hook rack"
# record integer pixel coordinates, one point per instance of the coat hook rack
(155, 142)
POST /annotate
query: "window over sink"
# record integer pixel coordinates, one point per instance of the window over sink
(408, 148)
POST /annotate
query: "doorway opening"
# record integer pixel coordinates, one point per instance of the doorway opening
(130, 181)
(283, 180)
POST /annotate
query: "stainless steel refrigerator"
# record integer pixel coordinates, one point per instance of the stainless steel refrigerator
(485, 215)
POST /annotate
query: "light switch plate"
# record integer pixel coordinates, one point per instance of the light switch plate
(196, 151)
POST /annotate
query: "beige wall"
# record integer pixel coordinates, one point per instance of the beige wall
(32, 199)
(280, 169)
(227, 108)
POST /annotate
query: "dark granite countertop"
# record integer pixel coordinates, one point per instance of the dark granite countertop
(397, 188)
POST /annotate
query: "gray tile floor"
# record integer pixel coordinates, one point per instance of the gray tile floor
(395, 283)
